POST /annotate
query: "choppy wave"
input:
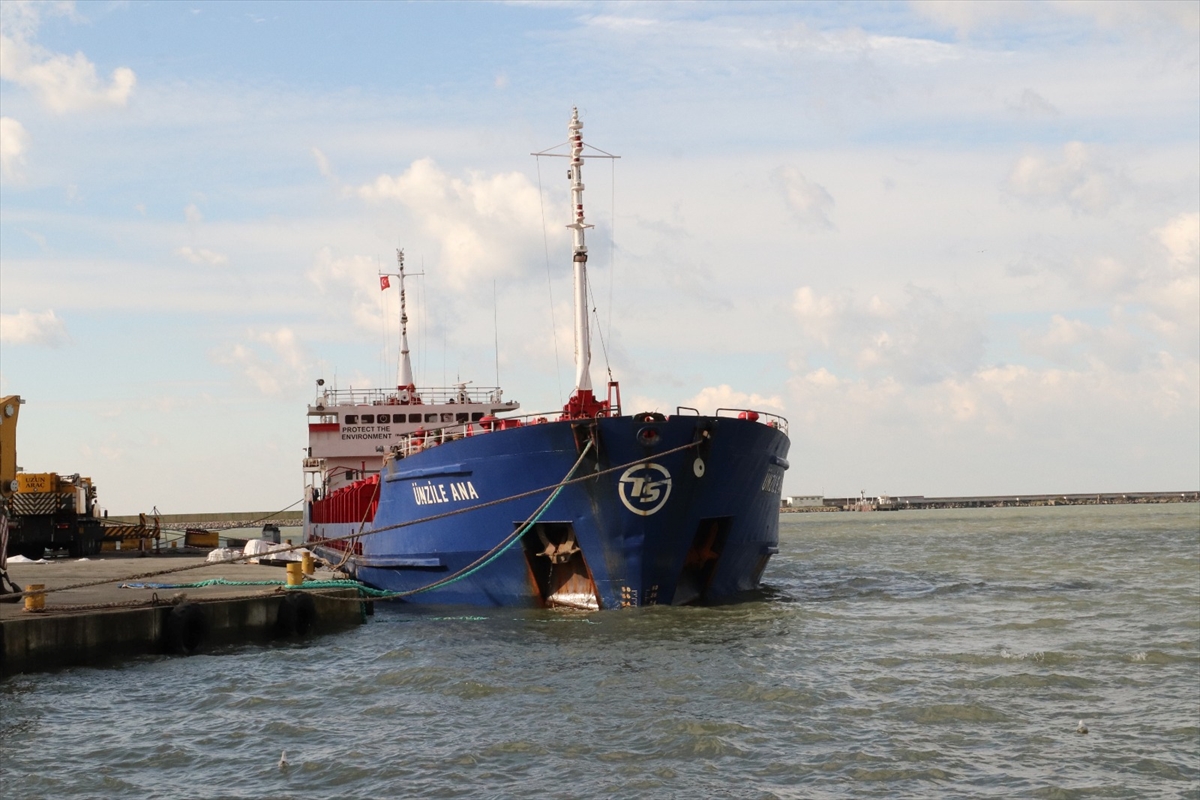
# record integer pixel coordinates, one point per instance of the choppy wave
(908, 655)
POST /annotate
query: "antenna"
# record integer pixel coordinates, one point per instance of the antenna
(405, 385)
(583, 402)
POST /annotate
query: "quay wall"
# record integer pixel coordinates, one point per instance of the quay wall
(40, 641)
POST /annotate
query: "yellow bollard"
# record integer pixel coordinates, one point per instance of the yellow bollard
(306, 560)
(295, 576)
(35, 602)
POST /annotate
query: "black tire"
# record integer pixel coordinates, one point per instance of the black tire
(186, 629)
(297, 615)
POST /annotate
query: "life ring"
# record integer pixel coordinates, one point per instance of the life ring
(186, 629)
(297, 615)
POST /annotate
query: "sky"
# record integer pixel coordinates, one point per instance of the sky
(956, 245)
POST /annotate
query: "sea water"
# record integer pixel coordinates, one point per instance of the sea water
(946, 653)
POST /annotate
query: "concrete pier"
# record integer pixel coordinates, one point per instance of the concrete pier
(920, 502)
(103, 624)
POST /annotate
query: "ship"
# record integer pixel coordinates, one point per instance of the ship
(447, 496)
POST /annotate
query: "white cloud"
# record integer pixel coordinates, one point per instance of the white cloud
(14, 142)
(485, 225)
(819, 316)
(1032, 104)
(709, 399)
(60, 82)
(352, 282)
(809, 202)
(1145, 15)
(1181, 237)
(322, 164)
(998, 430)
(1172, 292)
(202, 256)
(922, 341)
(1154, 287)
(1154, 14)
(966, 18)
(193, 214)
(273, 361)
(1076, 344)
(43, 329)
(1078, 180)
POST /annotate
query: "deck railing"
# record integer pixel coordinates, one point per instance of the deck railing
(435, 395)
(415, 442)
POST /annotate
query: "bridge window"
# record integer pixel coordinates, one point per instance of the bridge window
(383, 419)
(368, 419)
(476, 416)
(414, 417)
(460, 417)
(431, 417)
(351, 419)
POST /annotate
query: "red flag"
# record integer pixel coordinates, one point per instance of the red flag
(384, 282)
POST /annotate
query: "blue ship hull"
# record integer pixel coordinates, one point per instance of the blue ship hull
(690, 514)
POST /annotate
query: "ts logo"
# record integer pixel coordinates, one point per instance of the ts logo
(644, 488)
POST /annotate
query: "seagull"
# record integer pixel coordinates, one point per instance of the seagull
(283, 763)
(1081, 729)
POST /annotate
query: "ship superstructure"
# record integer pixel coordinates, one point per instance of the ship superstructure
(350, 431)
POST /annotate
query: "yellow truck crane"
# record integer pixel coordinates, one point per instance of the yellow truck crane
(45, 510)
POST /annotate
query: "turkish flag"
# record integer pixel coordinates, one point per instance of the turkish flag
(384, 282)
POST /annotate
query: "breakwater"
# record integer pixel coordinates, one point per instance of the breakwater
(919, 502)
(221, 520)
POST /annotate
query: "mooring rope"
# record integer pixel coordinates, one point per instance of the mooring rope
(567, 481)
(470, 569)
(506, 543)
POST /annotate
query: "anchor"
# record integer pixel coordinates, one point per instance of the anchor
(560, 553)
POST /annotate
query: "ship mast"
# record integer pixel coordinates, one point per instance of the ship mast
(583, 342)
(404, 378)
(582, 403)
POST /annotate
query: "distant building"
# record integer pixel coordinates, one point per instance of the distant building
(803, 501)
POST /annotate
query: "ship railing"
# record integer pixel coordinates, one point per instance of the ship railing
(765, 417)
(416, 441)
(435, 395)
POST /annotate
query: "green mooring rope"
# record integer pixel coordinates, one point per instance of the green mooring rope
(383, 594)
(505, 544)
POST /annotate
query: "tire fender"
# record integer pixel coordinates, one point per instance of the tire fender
(297, 615)
(186, 629)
